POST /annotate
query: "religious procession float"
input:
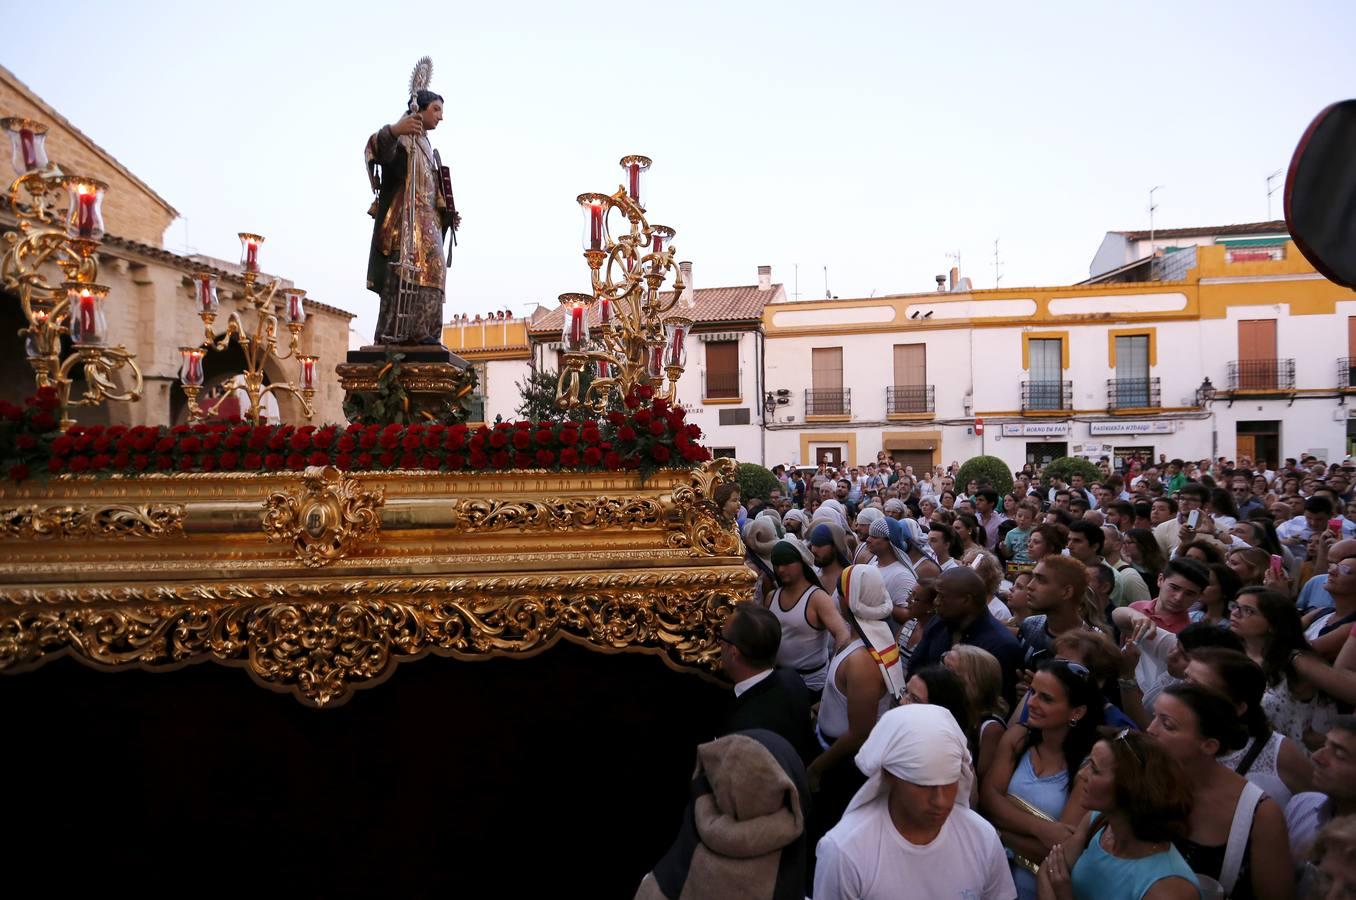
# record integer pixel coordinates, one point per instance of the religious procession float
(542, 599)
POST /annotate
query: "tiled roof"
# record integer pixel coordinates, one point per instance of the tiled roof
(713, 306)
(1276, 226)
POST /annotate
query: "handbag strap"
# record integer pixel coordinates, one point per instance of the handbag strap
(1258, 745)
(1239, 830)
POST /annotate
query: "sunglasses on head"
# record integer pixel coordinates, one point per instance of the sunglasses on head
(1123, 737)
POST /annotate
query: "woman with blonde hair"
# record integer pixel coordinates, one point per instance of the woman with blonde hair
(982, 676)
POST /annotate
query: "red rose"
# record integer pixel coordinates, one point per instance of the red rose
(300, 440)
(187, 463)
(391, 428)
(120, 460)
(631, 401)
(590, 435)
(83, 441)
(164, 445)
(695, 453)
(190, 444)
(433, 439)
(521, 426)
(430, 461)
(479, 460)
(501, 459)
(100, 461)
(592, 456)
(569, 437)
(13, 413)
(211, 442)
(656, 428)
(45, 398)
(389, 440)
(411, 441)
(645, 392)
(612, 460)
(455, 438)
(692, 431)
(232, 442)
(18, 472)
(63, 445)
(164, 463)
(354, 426)
(229, 460)
(643, 417)
(521, 440)
(179, 429)
(678, 413)
(258, 439)
(25, 442)
(455, 461)
(522, 460)
(545, 438)
(364, 460)
(499, 439)
(319, 458)
(367, 440)
(659, 452)
(278, 440)
(323, 438)
(675, 423)
(660, 406)
(54, 465)
(274, 461)
(626, 433)
(616, 418)
(631, 462)
(253, 461)
(546, 459)
(386, 459)
(347, 444)
(569, 457)
(78, 463)
(409, 460)
(208, 463)
(344, 461)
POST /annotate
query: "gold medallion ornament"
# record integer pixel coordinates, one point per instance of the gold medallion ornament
(326, 518)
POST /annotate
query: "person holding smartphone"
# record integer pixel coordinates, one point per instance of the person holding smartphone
(1296, 533)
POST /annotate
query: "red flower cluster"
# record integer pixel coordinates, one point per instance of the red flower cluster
(650, 434)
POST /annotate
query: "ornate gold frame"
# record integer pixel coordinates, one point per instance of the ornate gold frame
(321, 583)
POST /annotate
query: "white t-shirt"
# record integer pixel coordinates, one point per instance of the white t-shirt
(871, 859)
(999, 610)
(899, 581)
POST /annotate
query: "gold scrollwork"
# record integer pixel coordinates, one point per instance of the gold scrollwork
(34, 522)
(703, 530)
(327, 519)
(557, 514)
(320, 641)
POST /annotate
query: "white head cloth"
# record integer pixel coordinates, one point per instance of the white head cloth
(918, 743)
(869, 515)
(870, 607)
(833, 506)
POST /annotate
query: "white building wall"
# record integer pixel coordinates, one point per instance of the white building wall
(745, 440)
(500, 387)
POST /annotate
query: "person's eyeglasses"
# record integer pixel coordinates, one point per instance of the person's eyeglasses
(1124, 737)
(1078, 669)
(1244, 612)
(1341, 567)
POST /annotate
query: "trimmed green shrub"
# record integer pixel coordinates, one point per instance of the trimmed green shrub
(756, 481)
(1066, 466)
(983, 469)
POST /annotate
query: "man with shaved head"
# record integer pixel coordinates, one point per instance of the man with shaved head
(963, 617)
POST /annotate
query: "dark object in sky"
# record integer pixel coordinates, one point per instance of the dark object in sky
(1320, 193)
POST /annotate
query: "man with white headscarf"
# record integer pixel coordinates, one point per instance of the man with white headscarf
(909, 830)
(835, 508)
(886, 540)
(863, 529)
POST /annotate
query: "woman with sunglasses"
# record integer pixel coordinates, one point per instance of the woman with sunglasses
(1269, 759)
(1028, 792)
(1273, 635)
(1139, 800)
(1235, 834)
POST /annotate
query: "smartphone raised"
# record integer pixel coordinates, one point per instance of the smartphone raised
(1335, 526)
(1193, 517)
(1277, 564)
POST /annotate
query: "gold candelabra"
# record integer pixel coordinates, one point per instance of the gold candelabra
(636, 342)
(259, 344)
(67, 238)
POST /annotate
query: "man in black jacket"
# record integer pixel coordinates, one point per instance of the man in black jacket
(765, 696)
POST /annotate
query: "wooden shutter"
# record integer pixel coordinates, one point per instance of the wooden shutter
(911, 365)
(827, 368)
(722, 369)
(1257, 354)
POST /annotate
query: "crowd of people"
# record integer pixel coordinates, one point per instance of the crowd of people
(1138, 684)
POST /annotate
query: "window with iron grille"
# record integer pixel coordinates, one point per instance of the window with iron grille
(734, 416)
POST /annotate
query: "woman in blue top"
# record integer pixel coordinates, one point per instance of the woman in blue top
(1138, 799)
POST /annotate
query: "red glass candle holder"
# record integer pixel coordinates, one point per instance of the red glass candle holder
(654, 360)
(28, 144)
(633, 167)
(205, 292)
(190, 369)
(89, 327)
(307, 365)
(605, 317)
(32, 347)
(296, 306)
(574, 332)
(595, 220)
(661, 236)
(675, 345)
(249, 251)
(85, 216)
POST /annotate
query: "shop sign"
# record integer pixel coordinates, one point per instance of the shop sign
(1158, 426)
(1035, 429)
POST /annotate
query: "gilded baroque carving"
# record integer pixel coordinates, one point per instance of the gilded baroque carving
(34, 522)
(327, 519)
(703, 530)
(557, 514)
(321, 640)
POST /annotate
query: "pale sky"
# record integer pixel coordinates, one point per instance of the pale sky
(871, 138)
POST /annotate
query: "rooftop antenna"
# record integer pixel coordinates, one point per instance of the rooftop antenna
(1152, 207)
(827, 295)
(997, 274)
(796, 293)
(1271, 190)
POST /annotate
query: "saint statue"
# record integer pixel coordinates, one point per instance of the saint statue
(414, 212)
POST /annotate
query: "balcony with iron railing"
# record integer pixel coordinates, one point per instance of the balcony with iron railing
(1262, 375)
(828, 402)
(910, 399)
(1132, 393)
(1346, 373)
(722, 385)
(1047, 396)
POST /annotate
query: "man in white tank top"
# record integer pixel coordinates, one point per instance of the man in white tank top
(811, 625)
